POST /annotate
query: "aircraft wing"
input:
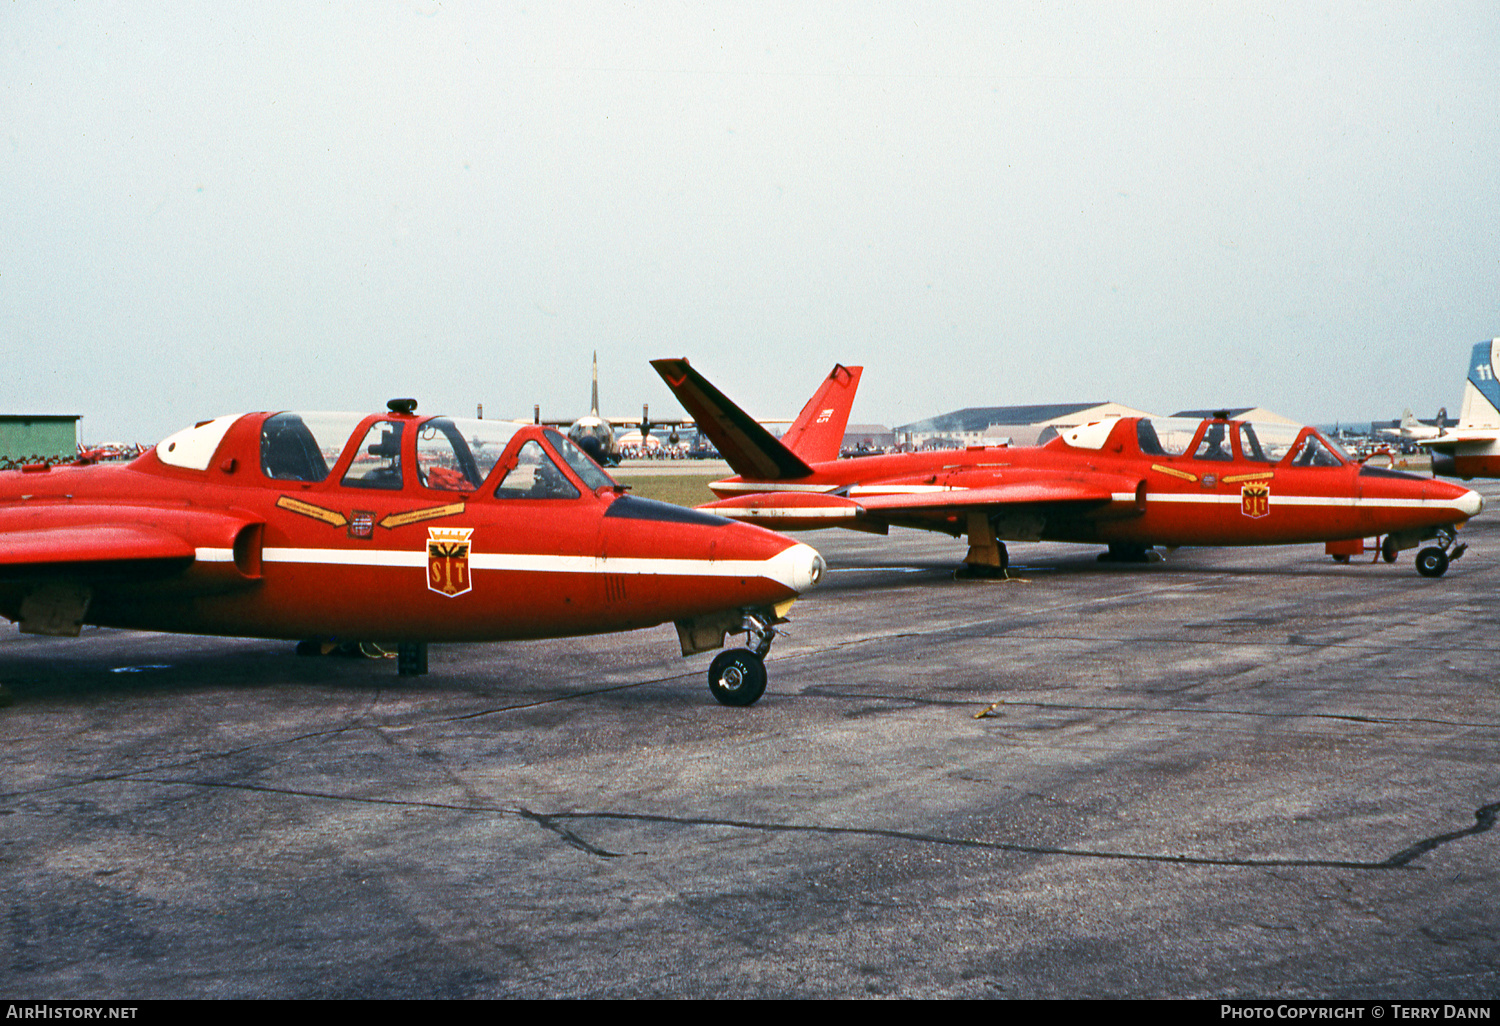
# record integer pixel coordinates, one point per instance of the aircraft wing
(1004, 494)
(116, 543)
(1459, 437)
(655, 422)
(83, 542)
(53, 557)
(863, 507)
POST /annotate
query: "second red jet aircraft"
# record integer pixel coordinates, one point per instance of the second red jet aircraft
(1129, 483)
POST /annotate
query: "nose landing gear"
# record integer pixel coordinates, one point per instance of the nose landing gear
(1433, 560)
(738, 676)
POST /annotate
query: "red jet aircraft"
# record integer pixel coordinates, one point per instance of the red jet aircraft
(328, 527)
(1129, 482)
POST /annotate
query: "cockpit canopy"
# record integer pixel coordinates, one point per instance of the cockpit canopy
(391, 452)
(451, 454)
(1226, 440)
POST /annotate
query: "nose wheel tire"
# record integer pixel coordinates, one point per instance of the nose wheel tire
(1432, 562)
(737, 677)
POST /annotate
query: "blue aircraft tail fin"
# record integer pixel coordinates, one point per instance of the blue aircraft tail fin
(1481, 407)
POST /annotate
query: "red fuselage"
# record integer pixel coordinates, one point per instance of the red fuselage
(396, 541)
(1115, 483)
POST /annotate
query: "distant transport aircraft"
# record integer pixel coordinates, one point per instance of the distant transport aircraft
(1413, 430)
(1472, 449)
(393, 527)
(595, 434)
(1129, 483)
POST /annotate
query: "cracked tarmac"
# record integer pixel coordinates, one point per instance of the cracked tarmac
(1230, 774)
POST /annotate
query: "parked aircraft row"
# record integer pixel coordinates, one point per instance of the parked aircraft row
(337, 527)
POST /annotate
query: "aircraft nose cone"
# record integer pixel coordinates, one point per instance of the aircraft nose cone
(799, 567)
(1470, 503)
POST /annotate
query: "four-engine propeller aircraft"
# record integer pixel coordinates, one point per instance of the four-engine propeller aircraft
(1130, 483)
(393, 527)
(1472, 449)
(595, 435)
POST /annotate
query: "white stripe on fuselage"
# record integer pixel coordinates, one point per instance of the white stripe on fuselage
(520, 561)
(791, 512)
(1342, 501)
(757, 488)
(1197, 498)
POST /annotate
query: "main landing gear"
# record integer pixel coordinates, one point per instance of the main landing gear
(987, 556)
(411, 656)
(1126, 552)
(975, 571)
(738, 675)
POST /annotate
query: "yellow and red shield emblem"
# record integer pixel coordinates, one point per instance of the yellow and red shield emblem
(448, 560)
(1255, 499)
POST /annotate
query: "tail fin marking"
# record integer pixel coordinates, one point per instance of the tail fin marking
(817, 434)
(1481, 407)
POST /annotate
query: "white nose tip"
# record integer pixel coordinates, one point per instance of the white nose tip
(1470, 503)
(799, 567)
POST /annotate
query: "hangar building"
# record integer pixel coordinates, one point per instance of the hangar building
(994, 425)
(23, 435)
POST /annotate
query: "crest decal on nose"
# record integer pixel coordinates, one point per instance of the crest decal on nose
(448, 560)
(1255, 499)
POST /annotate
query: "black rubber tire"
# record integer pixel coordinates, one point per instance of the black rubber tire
(1432, 562)
(737, 677)
(1388, 551)
(1341, 559)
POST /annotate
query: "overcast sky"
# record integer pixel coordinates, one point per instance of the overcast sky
(215, 207)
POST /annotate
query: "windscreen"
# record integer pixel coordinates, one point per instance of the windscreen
(304, 446)
(580, 463)
(1166, 436)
